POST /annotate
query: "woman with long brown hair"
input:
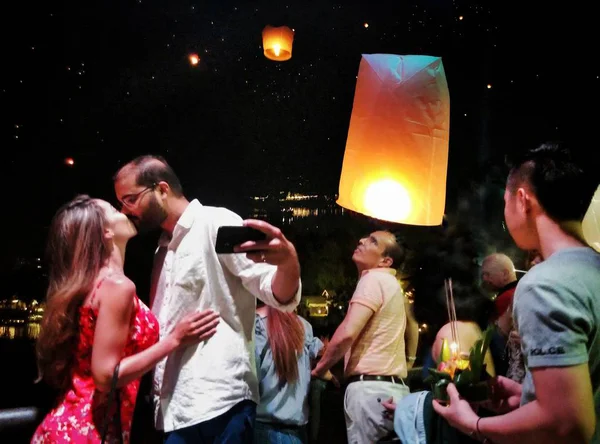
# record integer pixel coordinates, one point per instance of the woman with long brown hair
(285, 348)
(94, 321)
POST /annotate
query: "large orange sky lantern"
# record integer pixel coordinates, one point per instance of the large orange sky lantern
(396, 157)
(277, 43)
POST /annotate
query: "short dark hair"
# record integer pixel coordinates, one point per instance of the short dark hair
(562, 185)
(152, 169)
(395, 251)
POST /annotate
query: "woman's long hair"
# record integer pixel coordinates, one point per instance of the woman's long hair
(286, 339)
(76, 251)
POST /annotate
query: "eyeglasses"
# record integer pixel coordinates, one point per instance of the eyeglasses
(131, 200)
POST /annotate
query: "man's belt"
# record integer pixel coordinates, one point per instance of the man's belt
(392, 379)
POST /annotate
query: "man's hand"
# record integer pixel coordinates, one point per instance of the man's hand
(326, 376)
(275, 249)
(457, 412)
(278, 251)
(505, 395)
(319, 374)
(390, 408)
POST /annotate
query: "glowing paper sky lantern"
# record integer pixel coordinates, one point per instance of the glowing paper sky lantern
(396, 156)
(591, 222)
(277, 43)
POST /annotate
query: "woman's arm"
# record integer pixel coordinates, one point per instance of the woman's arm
(116, 302)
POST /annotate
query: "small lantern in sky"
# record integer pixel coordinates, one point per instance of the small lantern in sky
(396, 157)
(69, 161)
(277, 43)
(591, 222)
(194, 59)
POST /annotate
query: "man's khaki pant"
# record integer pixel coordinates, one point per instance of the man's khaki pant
(365, 422)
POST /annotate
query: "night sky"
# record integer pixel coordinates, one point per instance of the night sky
(103, 81)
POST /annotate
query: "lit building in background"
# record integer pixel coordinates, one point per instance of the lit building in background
(317, 306)
(290, 207)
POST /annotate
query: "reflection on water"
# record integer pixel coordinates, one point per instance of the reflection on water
(19, 320)
(29, 330)
(294, 213)
(289, 214)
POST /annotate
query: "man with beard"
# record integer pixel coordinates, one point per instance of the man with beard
(206, 393)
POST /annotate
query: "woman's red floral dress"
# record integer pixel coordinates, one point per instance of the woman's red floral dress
(79, 416)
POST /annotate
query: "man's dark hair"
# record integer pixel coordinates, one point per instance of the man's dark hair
(396, 252)
(562, 185)
(150, 170)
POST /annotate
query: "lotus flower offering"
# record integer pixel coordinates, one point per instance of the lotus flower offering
(466, 371)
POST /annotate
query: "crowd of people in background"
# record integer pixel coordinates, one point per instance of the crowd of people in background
(228, 371)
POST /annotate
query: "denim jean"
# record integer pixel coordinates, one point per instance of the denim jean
(409, 423)
(279, 434)
(235, 426)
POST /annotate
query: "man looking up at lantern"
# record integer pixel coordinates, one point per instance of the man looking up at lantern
(207, 393)
(372, 338)
(556, 310)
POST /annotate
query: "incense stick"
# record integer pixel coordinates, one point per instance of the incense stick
(454, 314)
(448, 307)
(451, 307)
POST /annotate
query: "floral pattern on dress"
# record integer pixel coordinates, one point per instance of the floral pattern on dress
(80, 415)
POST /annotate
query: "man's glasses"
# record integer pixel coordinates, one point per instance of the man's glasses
(131, 200)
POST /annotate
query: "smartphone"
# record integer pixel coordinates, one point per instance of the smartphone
(230, 236)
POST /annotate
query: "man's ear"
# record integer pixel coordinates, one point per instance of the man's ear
(163, 188)
(386, 262)
(523, 200)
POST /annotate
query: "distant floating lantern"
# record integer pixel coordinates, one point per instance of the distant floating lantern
(591, 222)
(69, 161)
(277, 43)
(366, 25)
(396, 157)
(194, 59)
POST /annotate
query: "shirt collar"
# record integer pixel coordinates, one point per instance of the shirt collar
(512, 284)
(391, 271)
(187, 218)
(184, 223)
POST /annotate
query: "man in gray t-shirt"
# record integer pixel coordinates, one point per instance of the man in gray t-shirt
(556, 309)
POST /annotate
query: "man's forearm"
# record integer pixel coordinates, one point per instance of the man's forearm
(336, 349)
(530, 423)
(286, 281)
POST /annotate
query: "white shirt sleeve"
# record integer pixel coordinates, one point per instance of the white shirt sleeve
(256, 277)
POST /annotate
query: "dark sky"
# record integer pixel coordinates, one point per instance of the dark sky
(103, 81)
